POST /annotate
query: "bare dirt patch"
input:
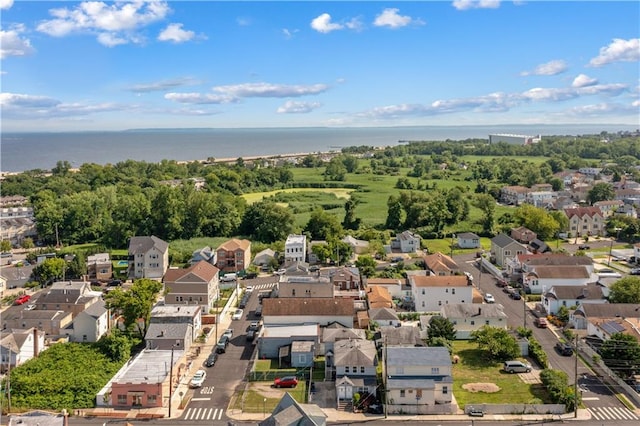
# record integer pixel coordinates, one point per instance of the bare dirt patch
(481, 387)
(266, 390)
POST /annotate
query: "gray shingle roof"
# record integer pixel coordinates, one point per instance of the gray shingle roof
(418, 356)
(354, 352)
(502, 240)
(141, 245)
(469, 310)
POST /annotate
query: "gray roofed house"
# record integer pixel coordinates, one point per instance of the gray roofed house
(573, 295)
(504, 247)
(148, 257)
(588, 311)
(52, 322)
(468, 240)
(205, 253)
(165, 336)
(330, 335)
(355, 367)
(290, 412)
(91, 324)
(384, 316)
(425, 370)
(468, 317)
(38, 418)
(407, 335)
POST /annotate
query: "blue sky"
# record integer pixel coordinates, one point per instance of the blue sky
(70, 66)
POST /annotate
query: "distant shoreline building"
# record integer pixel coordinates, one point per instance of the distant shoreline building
(513, 139)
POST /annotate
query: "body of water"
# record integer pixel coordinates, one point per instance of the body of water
(28, 151)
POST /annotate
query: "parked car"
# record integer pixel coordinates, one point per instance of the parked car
(250, 276)
(476, 412)
(221, 346)
(540, 322)
(489, 298)
(237, 315)
(501, 283)
(516, 367)
(584, 247)
(314, 268)
(634, 271)
(249, 289)
(564, 349)
(507, 289)
(211, 359)
(254, 326)
(22, 299)
(285, 382)
(229, 333)
(251, 334)
(608, 273)
(280, 272)
(244, 301)
(515, 295)
(258, 311)
(198, 379)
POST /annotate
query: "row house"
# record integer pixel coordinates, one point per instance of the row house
(17, 223)
(418, 380)
(430, 293)
(572, 295)
(543, 278)
(608, 207)
(295, 248)
(590, 171)
(148, 257)
(542, 199)
(514, 195)
(585, 221)
(195, 285)
(627, 194)
(234, 255)
(99, 267)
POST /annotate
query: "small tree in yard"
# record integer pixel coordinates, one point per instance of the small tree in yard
(441, 327)
(621, 353)
(497, 341)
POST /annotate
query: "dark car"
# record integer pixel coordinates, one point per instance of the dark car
(515, 295)
(221, 346)
(634, 271)
(211, 359)
(564, 349)
(584, 247)
(250, 276)
(476, 412)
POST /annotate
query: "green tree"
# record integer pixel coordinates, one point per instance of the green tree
(335, 170)
(441, 327)
(625, 290)
(366, 265)
(116, 346)
(497, 342)
(27, 243)
(601, 191)
(5, 246)
(49, 270)
(487, 204)
(323, 225)
(267, 222)
(350, 220)
(395, 214)
(538, 220)
(135, 304)
(621, 353)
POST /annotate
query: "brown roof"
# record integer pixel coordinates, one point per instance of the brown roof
(440, 281)
(379, 297)
(235, 244)
(440, 262)
(561, 272)
(583, 292)
(203, 270)
(556, 259)
(583, 211)
(308, 306)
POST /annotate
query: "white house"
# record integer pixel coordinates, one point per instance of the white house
(468, 240)
(585, 221)
(91, 324)
(467, 317)
(572, 295)
(598, 311)
(515, 195)
(384, 316)
(358, 246)
(406, 242)
(295, 248)
(418, 380)
(20, 346)
(355, 364)
(542, 278)
(310, 310)
(148, 257)
(430, 293)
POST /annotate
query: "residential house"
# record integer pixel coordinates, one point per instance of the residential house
(430, 293)
(528, 262)
(585, 221)
(99, 267)
(603, 328)
(290, 412)
(591, 311)
(523, 235)
(167, 336)
(39, 418)
(538, 246)
(514, 195)
(358, 246)
(590, 171)
(406, 242)
(379, 297)
(234, 255)
(440, 264)
(384, 316)
(206, 254)
(541, 199)
(636, 251)
(196, 285)
(305, 286)
(52, 322)
(17, 223)
(302, 353)
(91, 324)
(273, 338)
(68, 296)
(503, 247)
(346, 282)
(627, 209)
(468, 240)
(627, 194)
(297, 268)
(19, 346)
(396, 335)
(608, 207)
(145, 381)
(311, 310)
(418, 380)
(468, 318)
(355, 364)
(191, 315)
(330, 335)
(295, 248)
(542, 187)
(395, 286)
(542, 278)
(148, 257)
(572, 295)
(264, 258)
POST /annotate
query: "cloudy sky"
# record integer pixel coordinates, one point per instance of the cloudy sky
(140, 64)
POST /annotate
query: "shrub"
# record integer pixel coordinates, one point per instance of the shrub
(538, 353)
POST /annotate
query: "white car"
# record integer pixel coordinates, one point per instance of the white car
(489, 298)
(249, 289)
(237, 315)
(198, 379)
(609, 273)
(280, 272)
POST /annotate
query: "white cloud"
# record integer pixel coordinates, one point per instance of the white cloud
(324, 25)
(355, 24)
(270, 90)
(583, 80)
(550, 68)
(289, 33)
(618, 50)
(176, 34)
(199, 98)
(12, 44)
(596, 110)
(6, 4)
(160, 86)
(291, 107)
(390, 18)
(113, 23)
(476, 4)
(19, 100)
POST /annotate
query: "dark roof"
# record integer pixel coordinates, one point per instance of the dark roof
(467, 235)
(473, 310)
(141, 245)
(355, 352)
(406, 335)
(503, 240)
(574, 292)
(557, 259)
(609, 310)
(290, 412)
(418, 356)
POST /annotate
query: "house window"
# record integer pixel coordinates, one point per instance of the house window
(435, 370)
(122, 399)
(487, 322)
(445, 390)
(178, 298)
(362, 369)
(151, 399)
(453, 291)
(439, 302)
(473, 323)
(423, 303)
(293, 291)
(423, 291)
(402, 391)
(346, 369)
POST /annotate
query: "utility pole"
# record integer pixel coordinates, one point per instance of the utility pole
(575, 384)
(524, 310)
(171, 380)
(8, 388)
(385, 374)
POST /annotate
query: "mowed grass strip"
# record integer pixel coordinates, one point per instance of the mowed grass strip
(254, 197)
(476, 367)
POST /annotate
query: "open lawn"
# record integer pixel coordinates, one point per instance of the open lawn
(475, 367)
(252, 400)
(338, 192)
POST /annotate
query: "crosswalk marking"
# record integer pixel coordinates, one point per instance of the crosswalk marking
(612, 413)
(263, 286)
(203, 413)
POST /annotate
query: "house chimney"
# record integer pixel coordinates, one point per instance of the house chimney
(36, 348)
